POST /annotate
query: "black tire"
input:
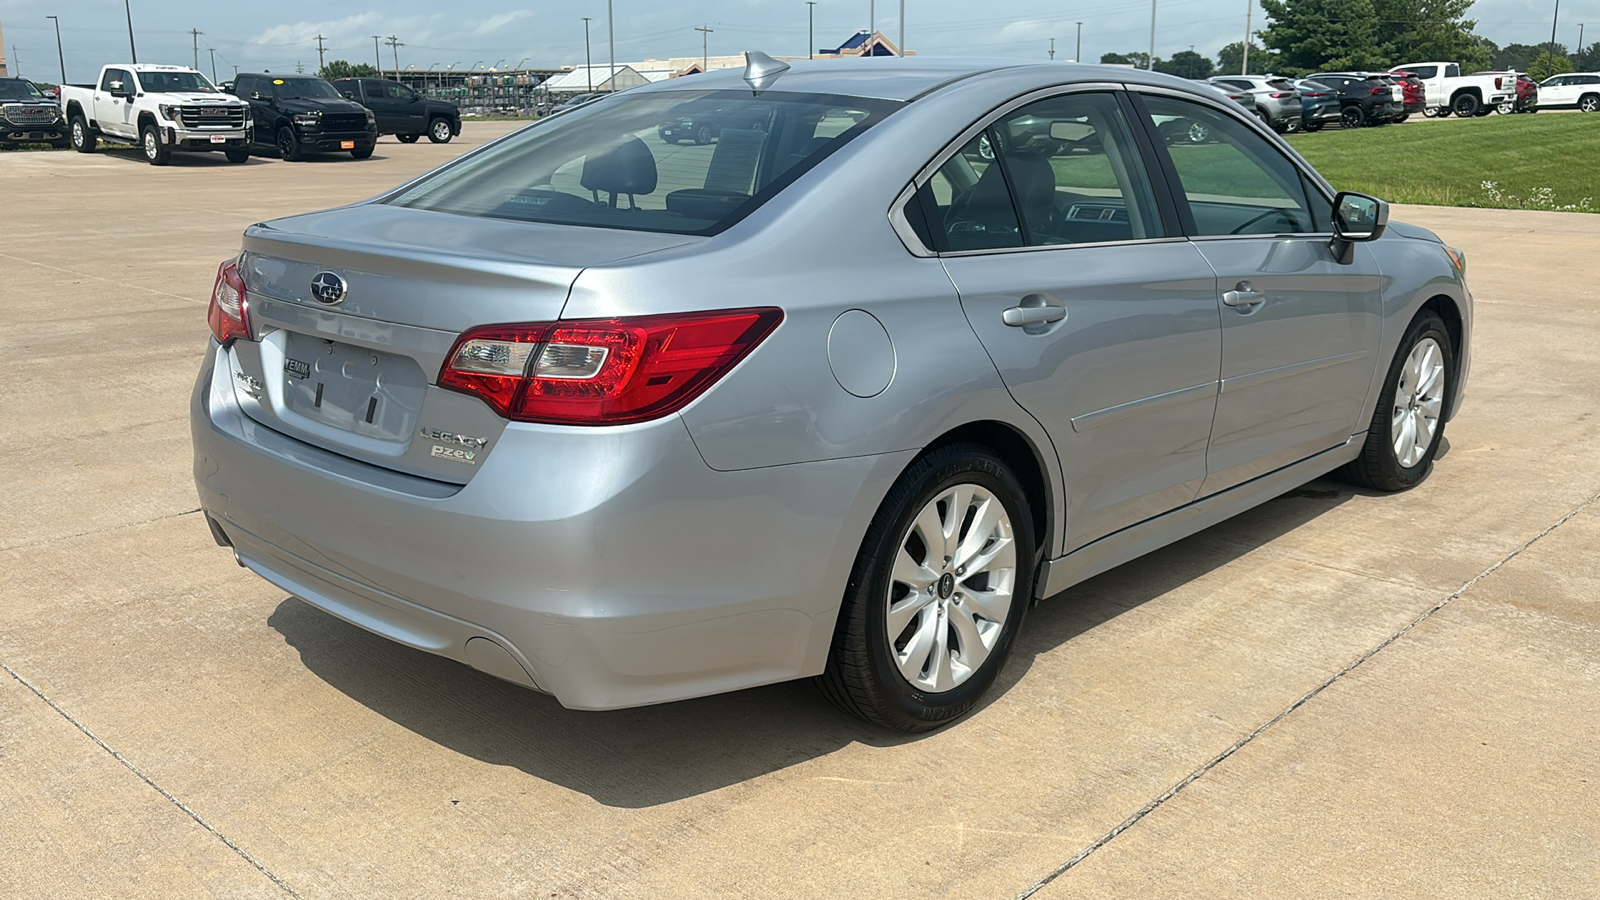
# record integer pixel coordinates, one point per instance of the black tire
(361, 152)
(1403, 117)
(288, 145)
(407, 138)
(862, 676)
(1589, 103)
(1313, 126)
(82, 136)
(702, 135)
(439, 131)
(155, 152)
(1352, 117)
(237, 154)
(1377, 467)
(1465, 105)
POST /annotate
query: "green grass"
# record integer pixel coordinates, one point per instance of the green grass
(1445, 163)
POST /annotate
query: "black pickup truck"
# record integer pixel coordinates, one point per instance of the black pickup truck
(29, 117)
(301, 114)
(402, 111)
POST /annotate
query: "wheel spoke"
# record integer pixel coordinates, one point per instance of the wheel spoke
(908, 571)
(1001, 556)
(990, 514)
(930, 529)
(914, 658)
(941, 678)
(1431, 406)
(969, 641)
(1406, 440)
(902, 612)
(957, 502)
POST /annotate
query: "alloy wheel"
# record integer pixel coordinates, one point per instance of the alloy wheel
(151, 149)
(1198, 133)
(951, 587)
(1418, 403)
(1589, 104)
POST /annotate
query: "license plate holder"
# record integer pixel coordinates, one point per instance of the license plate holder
(355, 389)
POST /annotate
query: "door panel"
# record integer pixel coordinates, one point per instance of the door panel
(1299, 327)
(1105, 332)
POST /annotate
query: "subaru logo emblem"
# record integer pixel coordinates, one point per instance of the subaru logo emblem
(328, 288)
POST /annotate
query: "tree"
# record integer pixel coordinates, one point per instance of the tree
(1541, 68)
(1231, 58)
(1587, 59)
(1428, 30)
(1137, 58)
(1517, 56)
(1187, 64)
(1313, 35)
(338, 68)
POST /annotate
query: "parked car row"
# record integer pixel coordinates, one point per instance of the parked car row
(1356, 99)
(167, 109)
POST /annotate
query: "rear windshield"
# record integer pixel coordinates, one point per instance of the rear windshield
(686, 162)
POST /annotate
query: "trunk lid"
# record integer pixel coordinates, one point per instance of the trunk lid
(357, 376)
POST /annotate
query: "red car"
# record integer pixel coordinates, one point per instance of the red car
(1412, 92)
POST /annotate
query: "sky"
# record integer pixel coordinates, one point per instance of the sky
(281, 35)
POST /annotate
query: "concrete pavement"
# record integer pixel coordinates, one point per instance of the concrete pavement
(1335, 694)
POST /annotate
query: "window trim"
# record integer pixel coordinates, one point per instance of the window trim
(907, 234)
(1163, 160)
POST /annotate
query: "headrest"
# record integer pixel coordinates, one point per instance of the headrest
(626, 168)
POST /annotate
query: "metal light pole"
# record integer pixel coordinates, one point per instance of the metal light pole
(902, 27)
(611, 38)
(811, 29)
(1249, 7)
(1150, 64)
(1553, 20)
(213, 52)
(1077, 55)
(377, 55)
(63, 60)
(588, 58)
(133, 51)
(705, 34)
(1052, 48)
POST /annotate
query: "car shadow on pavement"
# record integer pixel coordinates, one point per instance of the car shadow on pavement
(643, 757)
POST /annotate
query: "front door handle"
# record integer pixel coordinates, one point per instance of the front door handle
(1018, 316)
(1243, 294)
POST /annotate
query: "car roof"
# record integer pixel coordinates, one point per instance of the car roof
(905, 78)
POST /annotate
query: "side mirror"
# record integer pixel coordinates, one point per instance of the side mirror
(1356, 217)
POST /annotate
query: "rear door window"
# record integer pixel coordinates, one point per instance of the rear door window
(637, 162)
(1424, 71)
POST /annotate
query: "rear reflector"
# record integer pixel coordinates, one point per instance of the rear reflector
(603, 371)
(229, 312)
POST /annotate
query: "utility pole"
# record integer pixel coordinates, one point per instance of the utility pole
(1580, 40)
(1150, 64)
(299, 68)
(16, 64)
(395, 45)
(1553, 20)
(811, 29)
(63, 59)
(133, 51)
(902, 27)
(611, 38)
(321, 63)
(588, 58)
(1249, 7)
(705, 34)
(376, 54)
(1052, 48)
(194, 37)
(213, 52)
(1077, 55)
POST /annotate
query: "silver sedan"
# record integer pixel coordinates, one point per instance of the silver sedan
(903, 348)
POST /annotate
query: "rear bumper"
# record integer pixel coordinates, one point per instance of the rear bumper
(609, 567)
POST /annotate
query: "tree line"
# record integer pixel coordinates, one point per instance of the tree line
(1305, 36)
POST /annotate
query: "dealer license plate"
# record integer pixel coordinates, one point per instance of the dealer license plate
(218, 139)
(347, 145)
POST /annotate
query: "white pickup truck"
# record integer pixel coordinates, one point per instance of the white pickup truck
(158, 108)
(1445, 90)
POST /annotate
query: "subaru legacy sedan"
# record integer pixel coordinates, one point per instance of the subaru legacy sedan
(838, 396)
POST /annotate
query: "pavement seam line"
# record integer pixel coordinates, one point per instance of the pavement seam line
(67, 537)
(1238, 745)
(30, 262)
(200, 820)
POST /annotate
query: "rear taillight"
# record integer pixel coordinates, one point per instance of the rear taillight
(602, 371)
(1279, 95)
(1379, 90)
(1499, 83)
(229, 312)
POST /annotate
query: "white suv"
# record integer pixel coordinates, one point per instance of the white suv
(1580, 89)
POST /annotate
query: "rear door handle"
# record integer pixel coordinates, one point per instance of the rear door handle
(1018, 316)
(1243, 294)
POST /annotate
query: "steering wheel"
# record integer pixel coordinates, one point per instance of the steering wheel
(1275, 211)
